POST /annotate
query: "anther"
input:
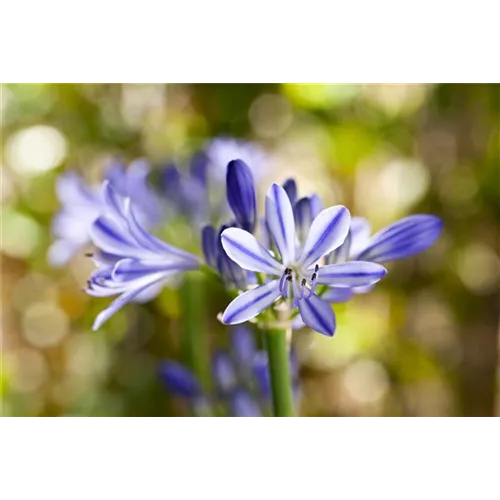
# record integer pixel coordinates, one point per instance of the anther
(289, 278)
(316, 267)
(89, 254)
(304, 282)
(313, 277)
(288, 271)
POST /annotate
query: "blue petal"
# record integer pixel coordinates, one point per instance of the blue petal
(337, 295)
(265, 235)
(150, 242)
(223, 372)
(279, 217)
(303, 217)
(297, 323)
(316, 205)
(61, 251)
(241, 194)
(209, 245)
(179, 380)
(340, 254)
(132, 269)
(113, 201)
(109, 236)
(349, 274)
(72, 190)
(243, 405)
(118, 303)
(248, 253)
(404, 238)
(360, 234)
(231, 272)
(247, 305)
(243, 346)
(362, 289)
(318, 315)
(328, 231)
(290, 186)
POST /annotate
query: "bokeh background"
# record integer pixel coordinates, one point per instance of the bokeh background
(424, 342)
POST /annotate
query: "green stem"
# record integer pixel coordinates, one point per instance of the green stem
(193, 338)
(279, 368)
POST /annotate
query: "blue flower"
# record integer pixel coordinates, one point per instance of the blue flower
(240, 375)
(82, 204)
(130, 262)
(297, 272)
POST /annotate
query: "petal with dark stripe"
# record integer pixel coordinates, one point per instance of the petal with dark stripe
(281, 223)
(247, 305)
(404, 238)
(328, 231)
(247, 252)
(351, 274)
(318, 315)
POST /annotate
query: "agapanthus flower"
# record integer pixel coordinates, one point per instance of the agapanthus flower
(298, 271)
(240, 377)
(82, 204)
(131, 262)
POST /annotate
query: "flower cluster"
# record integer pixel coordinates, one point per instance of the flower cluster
(240, 378)
(286, 266)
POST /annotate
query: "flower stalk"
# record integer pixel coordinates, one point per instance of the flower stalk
(193, 338)
(279, 370)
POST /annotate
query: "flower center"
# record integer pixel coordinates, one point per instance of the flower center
(297, 283)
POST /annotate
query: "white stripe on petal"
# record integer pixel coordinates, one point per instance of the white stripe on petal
(248, 253)
(249, 304)
(328, 231)
(318, 315)
(279, 217)
(351, 274)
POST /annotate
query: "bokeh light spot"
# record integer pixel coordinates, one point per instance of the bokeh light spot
(36, 149)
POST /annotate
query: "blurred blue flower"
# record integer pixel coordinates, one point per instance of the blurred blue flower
(130, 262)
(298, 271)
(82, 204)
(199, 193)
(221, 150)
(240, 376)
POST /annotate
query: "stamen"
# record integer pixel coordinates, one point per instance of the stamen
(288, 271)
(289, 278)
(314, 276)
(89, 254)
(316, 268)
(304, 282)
